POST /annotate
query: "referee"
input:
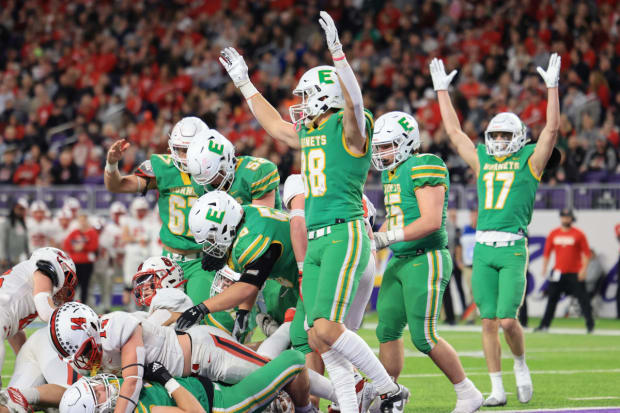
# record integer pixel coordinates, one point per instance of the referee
(572, 254)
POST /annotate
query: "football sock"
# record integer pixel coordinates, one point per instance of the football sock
(31, 394)
(321, 387)
(341, 374)
(357, 351)
(497, 385)
(276, 343)
(464, 389)
(520, 362)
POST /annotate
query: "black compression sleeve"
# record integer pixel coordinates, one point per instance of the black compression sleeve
(256, 272)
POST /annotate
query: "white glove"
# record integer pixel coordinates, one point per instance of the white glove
(331, 34)
(552, 75)
(235, 66)
(383, 239)
(441, 80)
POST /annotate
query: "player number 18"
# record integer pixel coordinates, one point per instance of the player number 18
(315, 165)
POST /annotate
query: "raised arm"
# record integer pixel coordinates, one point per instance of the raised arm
(114, 181)
(464, 146)
(549, 134)
(268, 117)
(354, 119)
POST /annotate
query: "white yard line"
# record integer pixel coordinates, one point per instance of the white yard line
(594, 398)
(602, 409)
(478, 329)
(554, 372)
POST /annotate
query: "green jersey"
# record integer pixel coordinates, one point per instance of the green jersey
(334, 177)
(402, 206)
(261, 227)
(154, 394)
(176, 197)
(506, 191)
(254, 178)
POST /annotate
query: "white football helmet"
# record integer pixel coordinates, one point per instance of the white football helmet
(155, 273)
(137, 204)
(181, 136)
(63, 288)
(117, 208)
(213, 220)
(505, 122)
(224, 278)
(319, 89)
(211, 156)
(74, 331)
(84, 396)
(401, 131)
(37, 207)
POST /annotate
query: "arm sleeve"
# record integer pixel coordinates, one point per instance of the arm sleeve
(257, 271)
(266, 179)
(349, 82)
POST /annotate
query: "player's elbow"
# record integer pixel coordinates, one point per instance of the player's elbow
(433, 222)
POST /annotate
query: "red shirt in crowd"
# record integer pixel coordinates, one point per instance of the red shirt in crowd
(569, 247)
(89, 241)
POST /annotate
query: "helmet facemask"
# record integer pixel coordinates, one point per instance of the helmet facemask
(102, 390)
(510, 129)
(384, 158)
(215, 248)
(88, 356)
(67, 292)
(223, 279)
(176, 149)
(319, 89)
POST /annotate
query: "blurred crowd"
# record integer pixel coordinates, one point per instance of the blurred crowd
(106, 250)
(76, 76)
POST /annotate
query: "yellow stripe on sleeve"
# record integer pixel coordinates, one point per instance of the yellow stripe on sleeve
(266, 178)
(247, 251)
(427, 175)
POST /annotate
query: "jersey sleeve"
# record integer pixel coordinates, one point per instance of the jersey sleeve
(429, 170)
(118, 328)
(145, 170)
(265, 179)
(248, 249)
(294, 185)
(170, 299)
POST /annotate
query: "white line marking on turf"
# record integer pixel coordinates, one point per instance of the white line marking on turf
(561, 372)
(594, 398)
(610, 409)
(478, 329)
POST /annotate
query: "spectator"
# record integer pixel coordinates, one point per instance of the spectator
(8, 165)
(66, 172)
(600, 158)
(14, 236)
(572, 254)
(28, 172)
(62, 227)
(81, 244)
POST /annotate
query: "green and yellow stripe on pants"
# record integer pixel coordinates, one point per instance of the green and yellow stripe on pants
(411, 293)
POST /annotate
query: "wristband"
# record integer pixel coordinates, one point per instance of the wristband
(171, 385)
(297, 213)
(248, 90)
(111, 167)
(300, 266)
(398, 235)
(373, 245)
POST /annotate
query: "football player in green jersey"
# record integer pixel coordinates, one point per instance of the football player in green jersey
(166, 394)
(168, 174)
(508, 173)
(334, 132)
(212, 164)
(416, 188)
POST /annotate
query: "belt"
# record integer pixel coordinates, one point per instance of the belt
(419, 251)
(321, 232)
(499, 243)
(180, 257)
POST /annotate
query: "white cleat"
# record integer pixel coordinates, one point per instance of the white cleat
(525, 389)
(267, 324)
(495, 401)
(469, 405)
(395, 401)
(281, 404)
(366, 394)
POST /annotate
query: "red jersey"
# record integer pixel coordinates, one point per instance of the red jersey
(569, 247)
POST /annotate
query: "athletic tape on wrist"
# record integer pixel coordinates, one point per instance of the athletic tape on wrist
(297, 213)
(248, 90)
(111, 167)
(171, 385)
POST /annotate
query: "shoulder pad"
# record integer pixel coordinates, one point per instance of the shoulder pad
(145, 170)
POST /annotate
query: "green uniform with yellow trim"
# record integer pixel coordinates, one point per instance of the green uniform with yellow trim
(338, 245)
(415, 278)
(176, 197)
(506, 194)
(252, 394)
(254, 178)
(261, 227)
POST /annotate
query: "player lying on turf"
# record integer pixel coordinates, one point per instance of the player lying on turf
(508, 173)
(165, 394)
(33, 288)
(119, 343)
(415, 187)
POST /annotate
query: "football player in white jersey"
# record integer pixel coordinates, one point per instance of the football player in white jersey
(32, 288)
(120, 344)
(136, 237)
(62, 227)
(39, 226)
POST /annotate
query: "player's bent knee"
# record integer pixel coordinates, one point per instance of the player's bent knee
(422, 344)
(293, 357)
(508, 323)
(386, 333)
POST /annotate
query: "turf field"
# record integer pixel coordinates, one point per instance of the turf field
(571, 371)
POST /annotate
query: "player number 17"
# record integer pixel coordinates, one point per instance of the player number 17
(489, 179)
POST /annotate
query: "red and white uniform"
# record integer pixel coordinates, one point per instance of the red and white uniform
(17, 308)
(138, 251)
(39, 233)
(166, 302)
(38, 363)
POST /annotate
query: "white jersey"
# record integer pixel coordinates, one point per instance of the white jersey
(111, 239)
(17, 308)
(59, 234)
(171, 299)
(39, 233)
(38, 363)
(160, 343)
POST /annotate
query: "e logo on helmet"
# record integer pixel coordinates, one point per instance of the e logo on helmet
(405, 124)
(215, 215)
(216, 147)
(325, 76)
